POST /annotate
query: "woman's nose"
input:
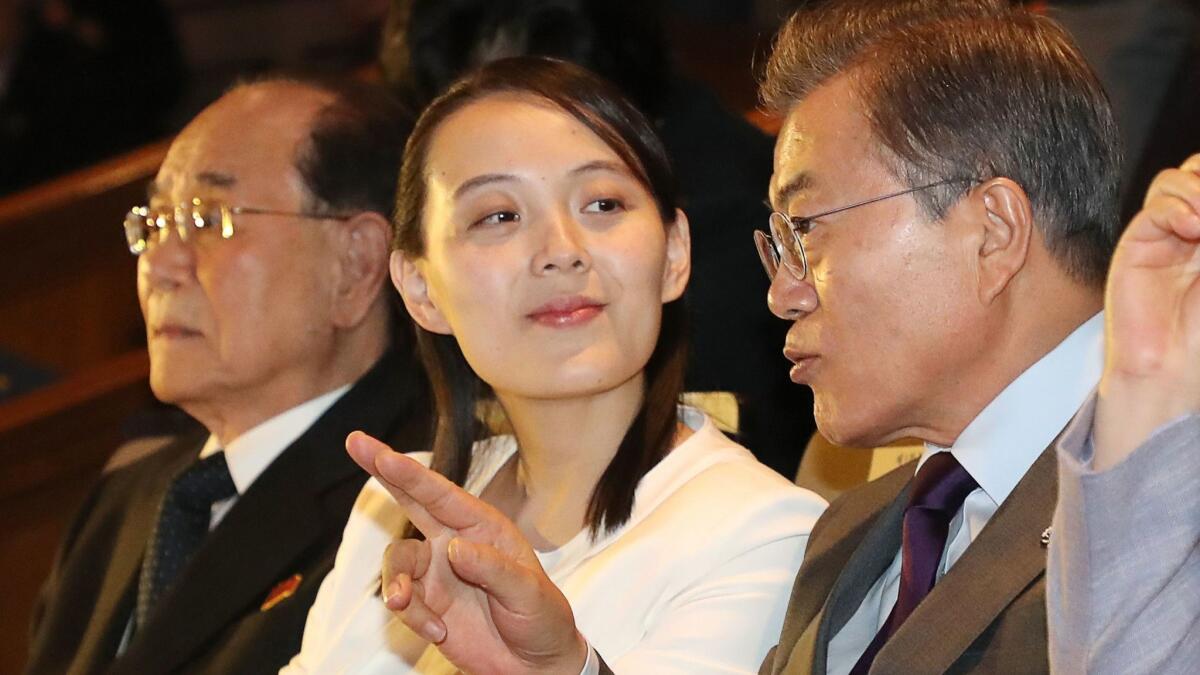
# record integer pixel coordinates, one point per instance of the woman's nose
(563, 248)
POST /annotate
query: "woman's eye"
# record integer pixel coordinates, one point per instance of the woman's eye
(498, 218)
(607, 205)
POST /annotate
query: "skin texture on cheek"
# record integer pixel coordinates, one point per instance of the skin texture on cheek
(892, 317)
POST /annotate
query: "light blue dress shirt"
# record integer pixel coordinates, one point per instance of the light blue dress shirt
(996, 448)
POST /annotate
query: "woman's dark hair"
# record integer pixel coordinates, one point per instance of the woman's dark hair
(457, 389)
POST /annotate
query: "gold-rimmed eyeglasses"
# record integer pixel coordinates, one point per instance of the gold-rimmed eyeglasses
(783, 243)
(197, 219)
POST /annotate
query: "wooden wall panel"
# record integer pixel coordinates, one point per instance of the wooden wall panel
(67, 282)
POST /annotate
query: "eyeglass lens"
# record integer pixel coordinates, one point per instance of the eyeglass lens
(145, 227)
(788, 248)
(767, 253)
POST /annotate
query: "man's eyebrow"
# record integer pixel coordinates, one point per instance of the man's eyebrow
(211, 178)
(480, 181)
(798, 183)
(215, 179)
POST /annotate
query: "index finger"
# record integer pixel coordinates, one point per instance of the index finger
(433, 503)
(366, 452)
(433, 495)
(1172, 205)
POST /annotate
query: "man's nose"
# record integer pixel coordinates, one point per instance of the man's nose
(563, 247)
(790, 298)
(169, 261)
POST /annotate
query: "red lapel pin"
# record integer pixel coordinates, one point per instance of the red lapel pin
(282, 591)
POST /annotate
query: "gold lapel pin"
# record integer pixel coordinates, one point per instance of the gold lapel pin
(282, 591)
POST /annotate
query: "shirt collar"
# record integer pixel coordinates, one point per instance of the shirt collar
(1005, 439)
(251, 453)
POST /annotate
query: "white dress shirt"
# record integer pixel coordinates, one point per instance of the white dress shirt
(695, 582)
(251, 453)
(996, 448)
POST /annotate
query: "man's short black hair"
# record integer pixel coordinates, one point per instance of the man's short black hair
(971, 89)
(352, 157)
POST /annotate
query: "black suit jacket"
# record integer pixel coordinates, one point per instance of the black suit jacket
(288, 522)
(986, 615)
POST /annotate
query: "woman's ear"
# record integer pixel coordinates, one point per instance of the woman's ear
(677, 268)
(414, 290)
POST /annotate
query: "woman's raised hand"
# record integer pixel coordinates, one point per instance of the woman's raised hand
(474, 585)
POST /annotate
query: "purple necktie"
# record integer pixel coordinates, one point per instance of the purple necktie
(937, 494)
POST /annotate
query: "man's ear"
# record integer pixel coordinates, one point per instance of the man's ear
(677, 268)
(414, 290)
(362, 265)
(1006, 229)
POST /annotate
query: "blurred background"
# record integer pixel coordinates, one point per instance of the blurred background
(91, 92)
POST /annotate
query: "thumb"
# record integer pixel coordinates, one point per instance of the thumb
(535, 619)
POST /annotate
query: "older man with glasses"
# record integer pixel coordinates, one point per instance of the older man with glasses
(262, 269)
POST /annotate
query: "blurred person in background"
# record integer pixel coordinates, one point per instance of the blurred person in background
(81, 80)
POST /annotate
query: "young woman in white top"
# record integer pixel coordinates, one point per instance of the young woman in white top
(540, 251)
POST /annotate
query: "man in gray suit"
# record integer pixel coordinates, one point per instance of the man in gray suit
(948, 176)
(1124, 572)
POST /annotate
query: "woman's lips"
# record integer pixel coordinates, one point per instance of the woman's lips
(566, 312)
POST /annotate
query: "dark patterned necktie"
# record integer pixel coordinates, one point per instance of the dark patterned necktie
(183, 520)
(938, 492)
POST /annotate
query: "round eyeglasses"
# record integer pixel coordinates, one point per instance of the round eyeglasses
(198, 220)
(784, 244)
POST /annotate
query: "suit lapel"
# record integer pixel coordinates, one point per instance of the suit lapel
(271, 527)
(1002, 561)
(251, 550)
(845, 556)
(118, 593)
(872, 558)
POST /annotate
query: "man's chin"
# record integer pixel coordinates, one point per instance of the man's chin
(847, 431)
(174, 386)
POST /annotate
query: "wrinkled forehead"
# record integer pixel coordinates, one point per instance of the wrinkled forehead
(826, 141)
(245, 145)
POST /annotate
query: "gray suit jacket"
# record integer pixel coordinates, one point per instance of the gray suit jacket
(1124, 572)
(986, 615)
